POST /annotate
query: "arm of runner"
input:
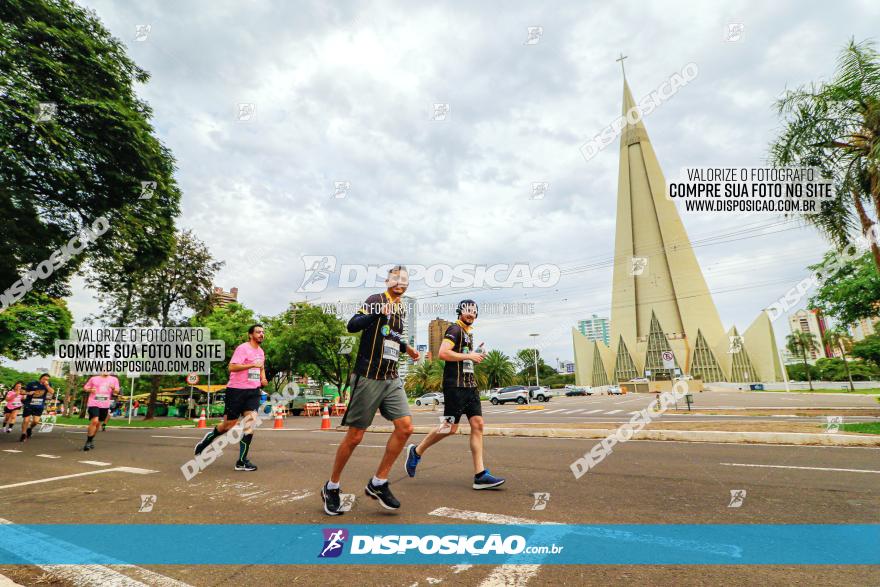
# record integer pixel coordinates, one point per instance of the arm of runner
(447, 354)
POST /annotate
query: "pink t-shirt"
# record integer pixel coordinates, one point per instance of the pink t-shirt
(102, 394)
(245, 354)
(13, 400)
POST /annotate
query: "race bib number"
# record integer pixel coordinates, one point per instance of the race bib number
(101, 398)
(37, 402)
(390, 349)
(253, 374)
(467, 367)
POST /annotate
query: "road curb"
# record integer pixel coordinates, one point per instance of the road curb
(800, 438)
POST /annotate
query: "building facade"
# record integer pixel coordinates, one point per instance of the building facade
(596, 328)
(436, 329)
(409, 335)
(224, 298)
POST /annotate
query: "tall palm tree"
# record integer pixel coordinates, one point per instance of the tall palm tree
(801, 343)
(424, 376)
(496, 370)
(838, 339)
(835, 126)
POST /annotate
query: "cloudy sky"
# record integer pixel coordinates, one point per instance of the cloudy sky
(347, 92)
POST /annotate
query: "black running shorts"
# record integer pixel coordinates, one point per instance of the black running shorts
(239, 401)
(461, 400)
(99, 413)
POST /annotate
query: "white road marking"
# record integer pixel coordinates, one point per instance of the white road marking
(613, 412)
(89, 575)
(186, 437)
(592, 412)
(554, 411)
(503, 575)
(134, 470)
(363, 445)
(96, 463)
(574, 411)
(801, 468)
(49, 456)
(10, 450)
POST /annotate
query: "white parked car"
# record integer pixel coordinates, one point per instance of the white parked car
(614, 390)
(512, 393)
(430, 399)
(540, 393)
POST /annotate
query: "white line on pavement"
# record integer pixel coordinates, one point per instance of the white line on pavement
(592, 412)
(554, 411)
(10, 450)
(186, 437)
(613, 412)
(118, 469)
(364, 445)
(802, 468)
(96, 463)
(49, 456)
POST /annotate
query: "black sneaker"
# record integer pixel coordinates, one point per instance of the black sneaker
(383, 494)
(87, 448)
(245, 465)
(202, 445)
(331, 501)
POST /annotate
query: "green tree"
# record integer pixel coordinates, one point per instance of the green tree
(868, 349)
(61, 170)
(835, 126)
(424, 376)
(801, 343)
(849, 291)
(496, 370)
(31, 327)
(840, 340)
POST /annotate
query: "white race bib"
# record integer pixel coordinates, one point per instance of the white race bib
(467, 366)
(37, 402)
(390, 349)
(253, 374)
(101, 398)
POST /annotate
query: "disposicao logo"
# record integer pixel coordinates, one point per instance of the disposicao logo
(334, 541)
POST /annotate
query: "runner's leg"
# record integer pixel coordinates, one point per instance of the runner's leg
(403, 429)
(435, 436)
(476, 441)
(349, 442)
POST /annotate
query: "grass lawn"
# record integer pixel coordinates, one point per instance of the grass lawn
(862, 427)
(869, 391)
(138, 422)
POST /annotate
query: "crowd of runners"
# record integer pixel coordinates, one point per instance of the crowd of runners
(375, 386)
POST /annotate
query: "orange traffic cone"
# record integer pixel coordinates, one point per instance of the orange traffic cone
(325, 419)
(279, 420)
(202, 421)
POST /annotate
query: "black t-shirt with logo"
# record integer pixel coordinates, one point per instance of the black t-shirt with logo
(382, 339)
(36, 395)
(459, 373)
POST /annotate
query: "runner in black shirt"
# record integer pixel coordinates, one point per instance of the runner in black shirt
(460, 396)
(376, 386)
(37, 393)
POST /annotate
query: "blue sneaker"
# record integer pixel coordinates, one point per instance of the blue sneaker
(412, 460)
(485, 480)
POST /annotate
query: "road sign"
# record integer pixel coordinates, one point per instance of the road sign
(668, 359)
(192, 378)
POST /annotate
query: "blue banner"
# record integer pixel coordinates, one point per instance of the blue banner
(406, 544)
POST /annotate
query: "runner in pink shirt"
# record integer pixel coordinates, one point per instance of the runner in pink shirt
(101, 390)
(13, 404)
(247, 374)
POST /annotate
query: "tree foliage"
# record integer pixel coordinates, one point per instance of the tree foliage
(31, 326)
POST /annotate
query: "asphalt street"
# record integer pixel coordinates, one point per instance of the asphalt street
(50, 480)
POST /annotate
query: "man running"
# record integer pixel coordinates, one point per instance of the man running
(37, 393)
(102, 389)
(376, 386)
(460, 396)
(13, 404)
(247, 375)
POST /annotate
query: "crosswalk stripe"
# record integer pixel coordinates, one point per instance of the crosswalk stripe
(574, 411)
(554, 411)
(49, 456)
(613, 412)
(593, 411)
(10, 450)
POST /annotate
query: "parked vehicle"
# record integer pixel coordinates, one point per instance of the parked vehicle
(614, 390)
(539, 393)
(511, 393)
(298, 403)
(430, 399)
(573, 390)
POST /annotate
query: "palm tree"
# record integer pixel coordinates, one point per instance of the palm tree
(801, 343)
(496, 370)
(424, 376)
(835, 127)
(838, 339)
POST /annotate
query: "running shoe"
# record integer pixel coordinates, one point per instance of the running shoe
(202, 445)
(383, 494)
(412, 460)
(245, 465)
(485, 480)
(87, 448)
(331, 501)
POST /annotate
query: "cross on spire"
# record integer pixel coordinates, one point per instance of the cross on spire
(620, 59)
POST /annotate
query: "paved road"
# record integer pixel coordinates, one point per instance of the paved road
(641, 482)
